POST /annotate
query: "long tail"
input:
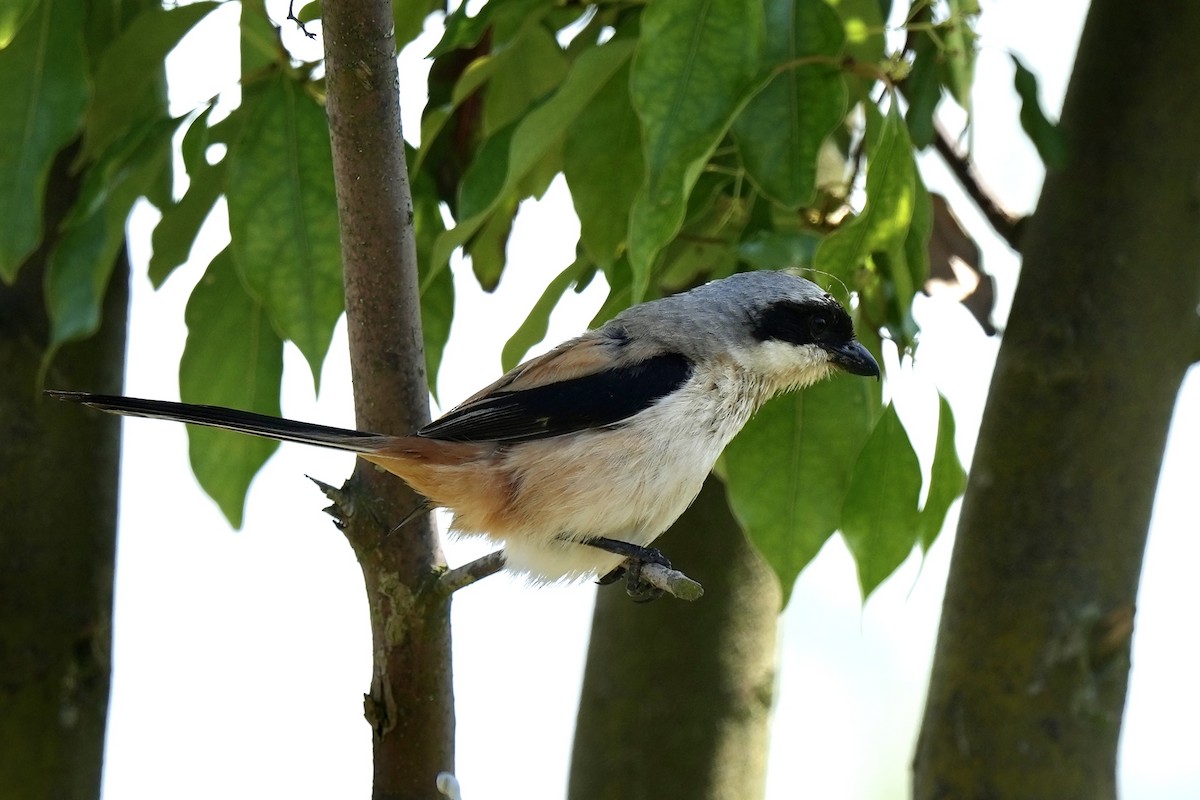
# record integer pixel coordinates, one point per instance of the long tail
(231, 419)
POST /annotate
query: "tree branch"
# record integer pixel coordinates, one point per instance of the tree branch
(720, 655)
(461, 577)
(671, 581)
(56, 605)
(1029, 677)
(1004, 222)
(410, 704)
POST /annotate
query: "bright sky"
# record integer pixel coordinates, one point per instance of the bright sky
(241, 657)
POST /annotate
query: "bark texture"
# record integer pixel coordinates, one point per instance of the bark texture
(410, 703)
(1030, 672)
(676, 696)
(58, 515)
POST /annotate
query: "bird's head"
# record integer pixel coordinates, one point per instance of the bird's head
(799, 334)
(783, 329)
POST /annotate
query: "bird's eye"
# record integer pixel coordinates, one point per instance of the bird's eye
(818, 324)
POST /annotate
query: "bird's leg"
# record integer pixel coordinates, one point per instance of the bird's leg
(632, 552)
(636, 557)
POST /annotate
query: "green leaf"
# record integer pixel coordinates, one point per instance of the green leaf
(958, 35)
(228, 130)
(82, 263)
(923, 89)
(283, 216)
(108, 172)
(534, 66)
(14, 14)
(620, 290)
(541, 173)
(879, 519)
(539, 133)
(484, 184)
(947, 479)
(94, 234)
(533, 329)
(311, 11)
(706, 247)
(471, 79)
(437, 297)
(696, 66)
(176, 231)
(781, 130)
(788, 471)
(232, 358)
(193, 148)
(920, 228)
(130, 81)
(45, 82)
(891, 197)
(603, 165)
(173, 236)
(864, 24)
(436, 117)
(258, 39)
(899, 273)
(1047, 137)
(408, 16)
(463, 31)
(779, 249)
(488, 246)
(437, 312)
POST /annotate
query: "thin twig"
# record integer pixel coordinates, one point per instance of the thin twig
(1004, 222)
(291, 15)
(460, 577)
(671, 581)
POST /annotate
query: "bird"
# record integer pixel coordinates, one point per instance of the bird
(576, 460)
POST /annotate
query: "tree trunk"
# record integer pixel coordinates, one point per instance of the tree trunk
(676, 696)
(1030, 672)
(410, 705)
(58, 515)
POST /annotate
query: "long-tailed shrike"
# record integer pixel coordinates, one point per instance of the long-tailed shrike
(577, 460)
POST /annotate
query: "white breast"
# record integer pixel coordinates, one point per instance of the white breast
(630, 482)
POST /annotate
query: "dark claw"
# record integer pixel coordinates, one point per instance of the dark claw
(612, 576)
(639, 590)
(636, 557)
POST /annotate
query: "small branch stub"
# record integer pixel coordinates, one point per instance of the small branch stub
(671, 581)
(342, 507)
(460, 577)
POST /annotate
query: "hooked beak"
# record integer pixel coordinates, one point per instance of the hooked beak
(855, 359)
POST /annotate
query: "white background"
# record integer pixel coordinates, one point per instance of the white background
(241, 657)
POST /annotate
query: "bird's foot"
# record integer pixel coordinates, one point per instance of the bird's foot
(633, 568)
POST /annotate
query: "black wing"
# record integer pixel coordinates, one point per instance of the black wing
(589, 401)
